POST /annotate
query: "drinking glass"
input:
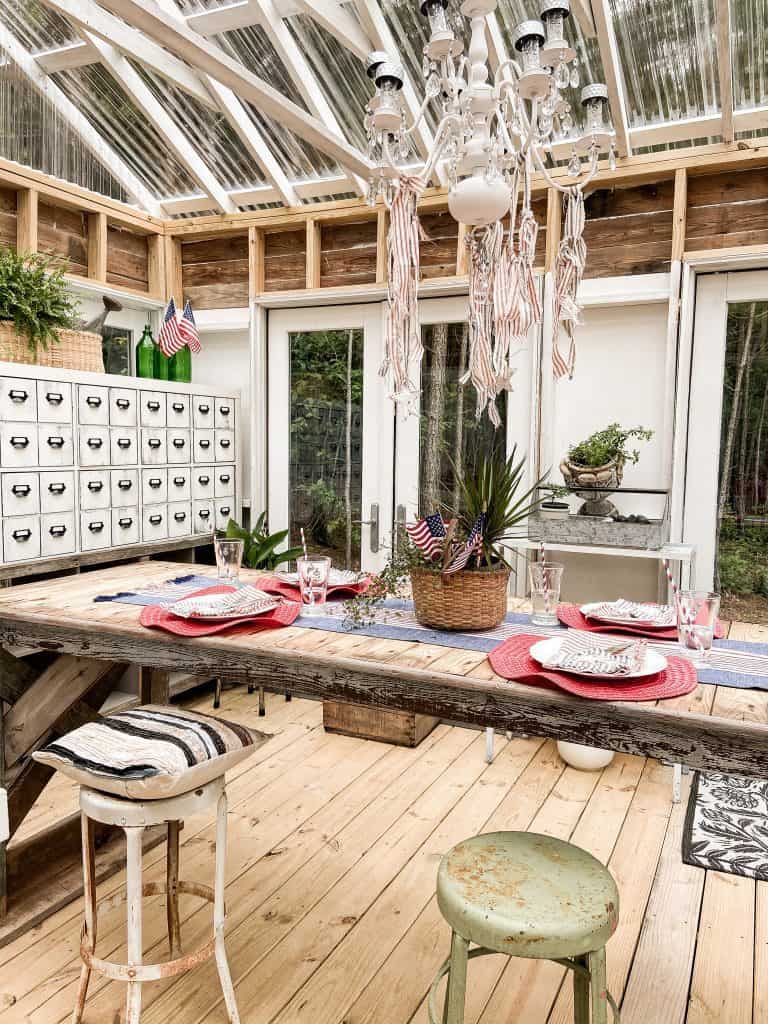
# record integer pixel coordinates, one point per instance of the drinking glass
(313, 582)
(697, 612)
(545, 578)
(229, 557)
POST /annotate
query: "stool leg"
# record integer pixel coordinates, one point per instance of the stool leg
(489, 745)
(219, 912)
(456, 990)
(134, 893)
(172, 897)
(251, 687)
(89, 895)
(598, 985)
(217, 693)
(262, 708)
(581, 993)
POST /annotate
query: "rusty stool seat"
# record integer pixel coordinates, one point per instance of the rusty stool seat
(533, 896)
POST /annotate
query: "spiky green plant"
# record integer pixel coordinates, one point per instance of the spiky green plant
(260, 546)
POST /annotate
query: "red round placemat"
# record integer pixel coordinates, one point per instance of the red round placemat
(273, 585)
(570, 615)
(154, 616)
(512, 660)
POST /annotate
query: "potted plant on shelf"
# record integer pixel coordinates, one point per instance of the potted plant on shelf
(594, 467)
(553, 507)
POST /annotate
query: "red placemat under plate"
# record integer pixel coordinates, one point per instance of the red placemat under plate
(512, 660)
(273, 585)
(570, 615)
(156, 617)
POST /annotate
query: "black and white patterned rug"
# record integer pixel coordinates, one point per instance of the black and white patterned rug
(726, 825)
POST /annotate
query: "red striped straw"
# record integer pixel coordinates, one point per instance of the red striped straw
(544, 578)
(303, 542)
(676, 593)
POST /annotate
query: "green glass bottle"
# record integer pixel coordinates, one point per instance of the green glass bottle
(162, 364)
(181, 366)
(145, 355)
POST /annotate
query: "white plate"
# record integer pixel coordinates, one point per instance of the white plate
(336, 578)
(544, 649)
(586, 611)
(239, 604)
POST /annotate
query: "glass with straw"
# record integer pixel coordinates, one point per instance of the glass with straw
(545, 579)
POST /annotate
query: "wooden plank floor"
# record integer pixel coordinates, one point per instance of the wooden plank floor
(334, 844)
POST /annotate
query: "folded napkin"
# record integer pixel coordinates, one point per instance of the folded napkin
(632, 612)
(245, 600)
(571, 616)
(157, 617)
(598, 656)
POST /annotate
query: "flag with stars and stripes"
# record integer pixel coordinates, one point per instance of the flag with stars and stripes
(428, 534)
(188, 329)
(473, 543)
(169, 339)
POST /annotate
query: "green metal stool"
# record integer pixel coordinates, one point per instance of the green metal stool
(531, 896)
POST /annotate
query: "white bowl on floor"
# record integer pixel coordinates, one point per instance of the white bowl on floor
(585, 759)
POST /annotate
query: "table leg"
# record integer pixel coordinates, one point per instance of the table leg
(677, 783)
(154, 685)
(489, 745)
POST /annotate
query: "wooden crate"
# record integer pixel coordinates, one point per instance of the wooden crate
(403, 728)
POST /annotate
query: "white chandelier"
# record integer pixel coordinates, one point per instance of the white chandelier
(487, 128)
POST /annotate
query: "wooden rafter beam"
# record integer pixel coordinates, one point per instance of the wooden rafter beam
(725, 69)
(103, 152)
(609, 52)
(582, 11)
(337, 20)
(65, 58)
(225, 18)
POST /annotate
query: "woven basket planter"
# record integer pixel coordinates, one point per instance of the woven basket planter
(475, 599)
(75, 350)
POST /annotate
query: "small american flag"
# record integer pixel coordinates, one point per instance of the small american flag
(188, 329)
(169, 339)
(474, 542)
(428, 534)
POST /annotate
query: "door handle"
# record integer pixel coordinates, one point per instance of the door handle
(373, 522)
(400, 517)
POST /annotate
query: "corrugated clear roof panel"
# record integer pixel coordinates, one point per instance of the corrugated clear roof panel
(410, 31)
(209, 133)
(125, 128)
(36, 26)
(749, 53)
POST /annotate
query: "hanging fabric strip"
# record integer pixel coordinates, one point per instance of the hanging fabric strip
(569, 269)
(485, 251)
(402, 336)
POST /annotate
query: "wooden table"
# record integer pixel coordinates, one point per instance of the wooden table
(93, 642)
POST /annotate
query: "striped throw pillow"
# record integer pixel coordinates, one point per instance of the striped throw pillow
(150, 752)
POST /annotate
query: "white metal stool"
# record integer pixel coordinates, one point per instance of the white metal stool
(133, 816)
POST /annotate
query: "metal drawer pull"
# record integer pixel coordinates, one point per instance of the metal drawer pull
(205, 443)
(94, 401)
(204, 480)
(225, 442)
(123, 403)
(57, 531)
(153, 406)
(225, 510)
(204, 409)
(57, 488)
(179, 442)
(154, 442)
(19, 442)
(95, 527)
(95, 442)
(179, 516)
(155, 482)
(204, 513)
(178, 407)
(224, 410)
(56, 442)
(21, 490)
(95, 486)
(125, 485)
(18, 395)
(54, 398)
(21, 534)
(224, 478)
(155, 520)
(125, 522)
(179, 480)
(123, 442)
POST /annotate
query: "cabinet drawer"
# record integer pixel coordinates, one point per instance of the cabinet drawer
(56, 446)
(203, 411)
(179, 484)
(20, 494)
(179, 446)
(123, 446)
(177, 410)
(94, 446)
(154, 449)
(122, 407)
(224, 485)
(95, 530)
(18, 445)
(54, 402)
(154, 486)
(21, 538)
(154, 523)
(92, 405)
(179, 519)
(125, 525)
(225, 510)
(203, 516)
(95, 490)
(18, 400)
(225, 445)
(152, 404)
(204, 450)
(224, 414)
(203, 478)
(124, 486)
(57, 492)
(57, 534)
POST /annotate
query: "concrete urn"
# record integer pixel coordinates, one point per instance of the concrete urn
(593, 484)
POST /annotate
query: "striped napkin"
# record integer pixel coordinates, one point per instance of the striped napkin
(661, 615)
(237, 603)
(589, 654)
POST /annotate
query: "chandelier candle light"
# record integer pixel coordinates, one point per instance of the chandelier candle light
(491, 136)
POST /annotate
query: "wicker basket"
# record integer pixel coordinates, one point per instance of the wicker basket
(475, 599)
(75, 350)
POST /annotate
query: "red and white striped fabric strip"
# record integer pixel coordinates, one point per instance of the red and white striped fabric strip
(569, 269)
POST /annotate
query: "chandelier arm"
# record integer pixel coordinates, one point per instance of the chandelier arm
(440, 143)
(417, 120)
(576, 184)
(510, 62)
